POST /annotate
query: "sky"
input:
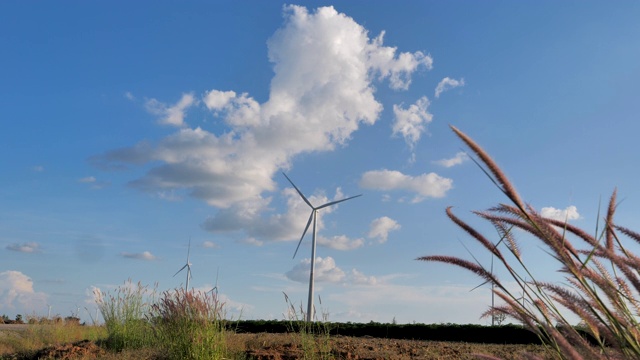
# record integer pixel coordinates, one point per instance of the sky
(131, 129)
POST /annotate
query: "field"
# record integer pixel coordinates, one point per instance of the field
(257, 346)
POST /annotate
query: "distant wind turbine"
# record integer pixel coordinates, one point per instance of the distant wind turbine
(215, 288)
(493, 315)
(313, 216)
(188, 266)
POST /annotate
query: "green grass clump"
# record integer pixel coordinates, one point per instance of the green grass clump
(183, 324)
(602, 278)
(125, 316)
(190, 325)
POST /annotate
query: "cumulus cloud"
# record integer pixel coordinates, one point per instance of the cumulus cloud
(458, 159)
(411, 122)
(325, 271)
(29, 247)
(322, 91)
(17, 293)
(171, 115)
(340, 242)
(447, 84)
(139, 256)
(380, 228)
(425, 185)
(286, 226)
(570, 213)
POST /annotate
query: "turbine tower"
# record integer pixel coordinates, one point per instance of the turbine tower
(313, 217)
(188, 266)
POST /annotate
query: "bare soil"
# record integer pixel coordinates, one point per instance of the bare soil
(291, 346)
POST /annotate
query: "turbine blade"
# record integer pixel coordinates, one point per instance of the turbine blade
(479, 286)
(189, 250)
(304, 233)
(335, 202)
(182, 268)
(299, 192)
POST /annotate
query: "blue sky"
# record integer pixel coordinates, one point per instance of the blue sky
(130, 128)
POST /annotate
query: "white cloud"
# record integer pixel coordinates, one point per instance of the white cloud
(129, 96)
(325, 271)
(456, 160)
(398, 69)
(322, 91)
(358, 278)
(210, 245)
(37, 168)
(447, 84)
(251, 241)
(88, 179)
(380, 228)
(139, 256)
(29, 247)
(17, 293)
(570, 213)
(340, 242)
(171, 115)
(411, 122)
(425, 185)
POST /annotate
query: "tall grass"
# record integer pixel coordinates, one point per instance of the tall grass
(602, 275)
(182, 324)
(314, 336)
(125, 315)
(190, 325)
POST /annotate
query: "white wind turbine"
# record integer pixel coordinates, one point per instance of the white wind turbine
(313, 216)
(188, 266)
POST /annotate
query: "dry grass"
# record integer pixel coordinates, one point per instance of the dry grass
(603, 281)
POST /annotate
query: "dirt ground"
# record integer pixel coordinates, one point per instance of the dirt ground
(291, 346)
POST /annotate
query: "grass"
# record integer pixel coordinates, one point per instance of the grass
(37, 336)
(182, 324)
(602, 282)
(313, 336)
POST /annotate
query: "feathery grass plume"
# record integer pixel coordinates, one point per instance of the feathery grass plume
(499, 176)
(601, 283)
(609, 222)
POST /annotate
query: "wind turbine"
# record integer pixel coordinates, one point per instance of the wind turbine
(493, 315)
(215, 288)
(314, 217)
(188, 266)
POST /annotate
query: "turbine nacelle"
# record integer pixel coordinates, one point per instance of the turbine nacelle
(313, 210)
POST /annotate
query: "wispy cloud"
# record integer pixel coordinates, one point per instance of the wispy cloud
(171, 115)
(458, 159)
(447, 84)
(412, 121)
(139, 256)
(424, 186)
(210, 245)
(29, 247)
(37, 168)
